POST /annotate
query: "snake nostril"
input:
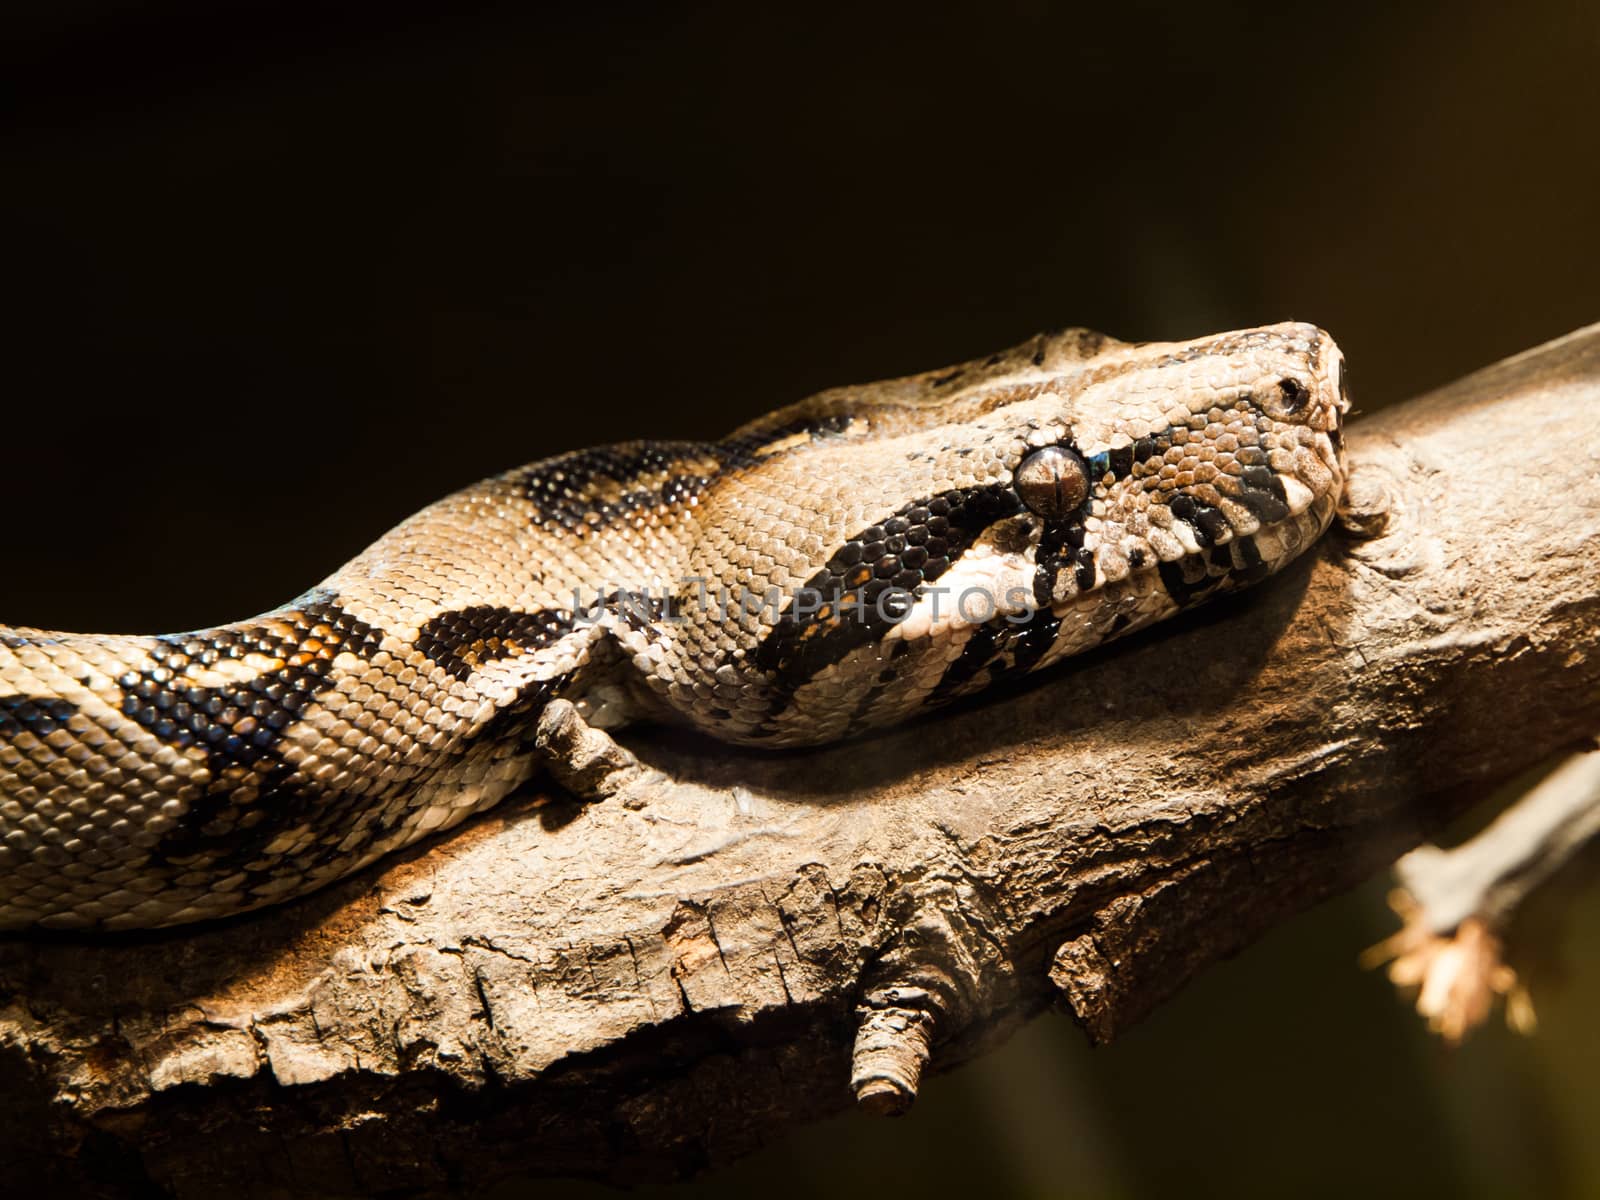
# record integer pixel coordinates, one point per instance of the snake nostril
(1293, 392)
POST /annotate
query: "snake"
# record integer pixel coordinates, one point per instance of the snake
(839, 565)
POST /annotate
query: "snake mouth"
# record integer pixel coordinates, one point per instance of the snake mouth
(1338, 374)
(1143, 596)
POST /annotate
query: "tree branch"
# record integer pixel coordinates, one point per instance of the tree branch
(1460, 904)
(661, 981)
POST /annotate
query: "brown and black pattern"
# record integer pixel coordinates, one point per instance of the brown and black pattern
(791, 584)
(858, 585)
(238, 724)
(464, 640)
(997, 651)
(598, 489)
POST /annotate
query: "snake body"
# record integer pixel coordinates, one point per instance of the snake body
(837, 565)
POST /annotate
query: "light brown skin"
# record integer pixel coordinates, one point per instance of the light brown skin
(838, 565)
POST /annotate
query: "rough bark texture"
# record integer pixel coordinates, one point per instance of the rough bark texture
(656, 983)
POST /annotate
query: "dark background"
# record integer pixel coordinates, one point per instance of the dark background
(275, 276)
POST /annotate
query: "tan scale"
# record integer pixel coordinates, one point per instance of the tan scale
(151, 781)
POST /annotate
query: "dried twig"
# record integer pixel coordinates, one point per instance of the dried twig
(1459, 905)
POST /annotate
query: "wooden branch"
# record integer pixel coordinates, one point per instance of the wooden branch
(659, 982)
(1492, 875)
(1460, 904)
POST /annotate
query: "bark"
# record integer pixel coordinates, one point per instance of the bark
(656, 983)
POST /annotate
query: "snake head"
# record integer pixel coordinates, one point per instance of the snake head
(1038, 503)
(1168, 472)
(1211, 461)
(1172, 472)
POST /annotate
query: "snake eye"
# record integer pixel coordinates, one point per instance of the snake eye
(1052, 482)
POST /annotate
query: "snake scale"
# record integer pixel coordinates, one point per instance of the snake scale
(840, 564)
